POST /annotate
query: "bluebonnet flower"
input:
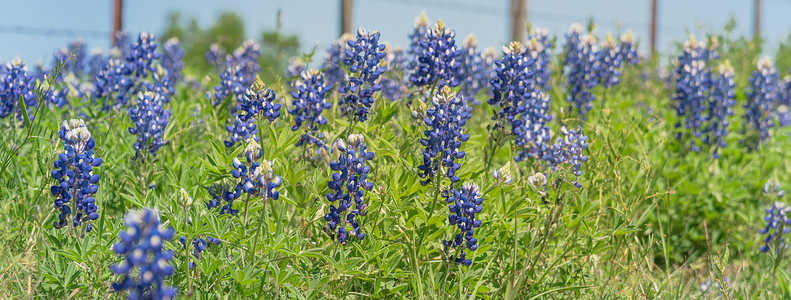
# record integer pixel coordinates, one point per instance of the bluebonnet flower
(121, 44)
(309, 102)
(776, 217)
(503, 174)
(246, 58)
(394, 81)
(78, 53)
(216, 57)
(142, 246)
(113, 83)
(692, 82)
(532, 136)
(568, 150)
(784, 102)
(294, 70)
(199, 245)
(96, 63)
(538, 48)
(772, 188)
(438, 58)
(513, 87)
(464, 204)
(70, 87)
(74, 172)
(628, 49)
(334, 74)
(61, 55)
(256, 178)
(362, 57)
(164, 84)
(470, 72)
(722, 98)
(241, 130)
(72, 57)
(142, 54)
(232, 82)
(760, 99)
(221, 192)
(258, 101)
(150, 120)
(609, 60)
(443, 137)
(419, 33)
(489, 67)
(173, 58)
(581, 69)
(16, 82)
(347, 185)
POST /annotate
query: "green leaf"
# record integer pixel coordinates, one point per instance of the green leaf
(24, 111)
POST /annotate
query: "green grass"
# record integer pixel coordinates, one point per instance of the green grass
(652, 219)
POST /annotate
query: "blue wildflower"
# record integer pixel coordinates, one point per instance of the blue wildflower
(232, 82)
(72, 57)
(150, 120)
(776, 217)
(246, 58)
(113, 83)
(419, 34)
(16, 82)
(349, 183)
(216, 57)
(142, 54)
(74, 172)
(629, 49)
(532, 136)
(567, 150)
(294, 70)
(760, 99)
(443, 137)
(220, 193)
(538, 48)
(164, 84)
(142, 246)
(464, 204)
(362, 58)
(258, 101)
(581, 69)
(470, 72)
(309, 102)
(394, 81)
(199, 245)
(122, 44)
(503, 174)
(514, 91)
(610, 61)
(334, 74)
(241, 130)
(722, 98)
(173, 58)
(96, 63)
(692, 82)
(256, 178)
(438, 58)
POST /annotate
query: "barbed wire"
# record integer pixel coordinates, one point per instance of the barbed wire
(27, 30)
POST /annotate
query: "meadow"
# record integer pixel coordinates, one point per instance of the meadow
(563, 167)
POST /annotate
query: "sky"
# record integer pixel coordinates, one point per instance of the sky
(316, 22)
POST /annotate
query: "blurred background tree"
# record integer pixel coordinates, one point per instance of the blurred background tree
(229, 32)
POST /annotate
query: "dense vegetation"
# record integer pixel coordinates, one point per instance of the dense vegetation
(563, 167)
